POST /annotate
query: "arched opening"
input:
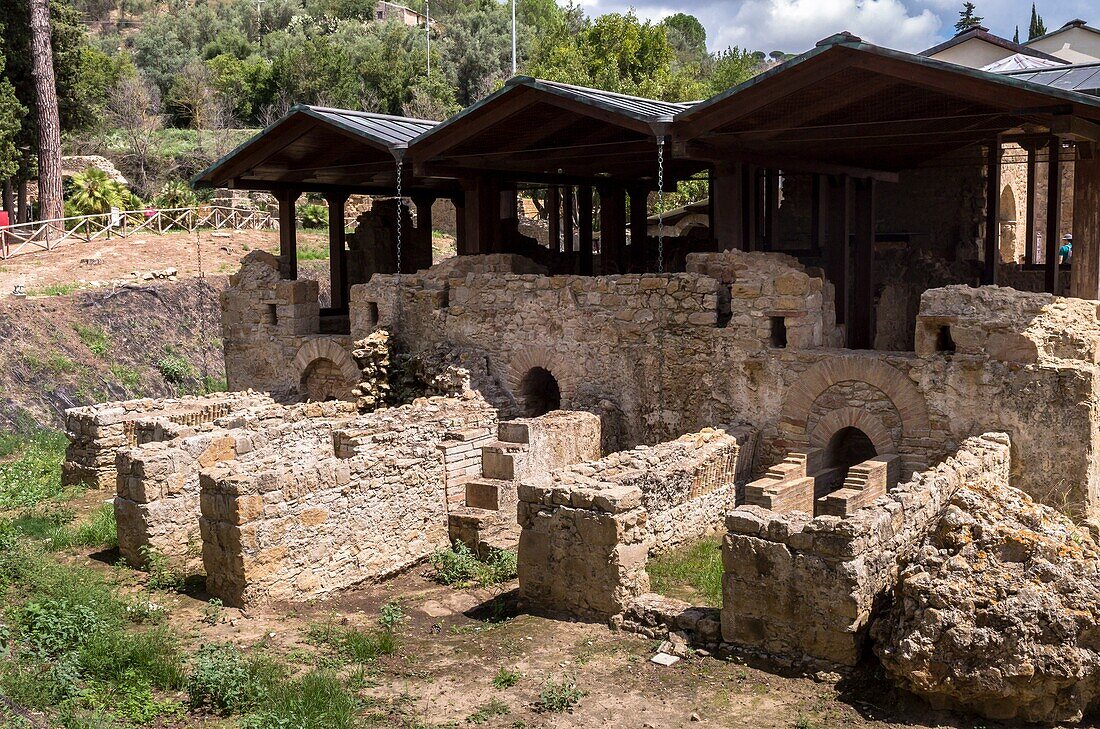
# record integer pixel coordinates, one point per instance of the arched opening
(1008, 227)
(847, 447)
(540, 392)
(323, 380)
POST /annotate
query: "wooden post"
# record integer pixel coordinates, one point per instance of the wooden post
(482, 216)
(1030, 245)
(567, 228)
(750, 223)
(288, 234)
(861, 332)
(817, 219)
(421, 254)
(612, 228)
(639, 227)
(992, 256)
(461, 246)
(584, 231)
(337, 254)
(553, 217)
(771, 211)
(836, 242)
(1084, 276)
(507, 227)
(1054, 213)
(727, 207)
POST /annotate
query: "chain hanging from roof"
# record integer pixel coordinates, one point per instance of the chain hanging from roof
(660, 204)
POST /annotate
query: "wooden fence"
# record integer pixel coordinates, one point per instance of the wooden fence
(46, 235)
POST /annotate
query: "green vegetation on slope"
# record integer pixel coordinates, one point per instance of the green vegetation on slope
(692, 572)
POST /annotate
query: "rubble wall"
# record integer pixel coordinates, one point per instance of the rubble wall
(298, 524)
(589, 529)
(806, 587)
(97, 432)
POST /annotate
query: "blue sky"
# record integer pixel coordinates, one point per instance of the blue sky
(795, 25)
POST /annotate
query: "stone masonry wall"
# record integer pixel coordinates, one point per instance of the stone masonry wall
(298, 524)
(157, 494)
(588, 529)
(799, 587)
(97, 432)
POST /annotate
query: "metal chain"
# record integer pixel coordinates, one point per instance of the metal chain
(660, 204)
(400, 205)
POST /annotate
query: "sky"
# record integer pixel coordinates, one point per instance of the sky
(795, 25)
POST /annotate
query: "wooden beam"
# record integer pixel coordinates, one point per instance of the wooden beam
(612, 227)
(288, 234)
(461, 244)
(749, 221)
(1084, 274)
(992, 254)
(1032, 240)
(447, 135)
(639, 227)
(420, 256)
(1054, 214)
(337, 250)
(836, 243)
(861, 333)
(706, 150)
(553, 216)
(817, 219)
(1075, 128)
(584, 232)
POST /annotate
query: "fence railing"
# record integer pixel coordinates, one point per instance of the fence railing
(46, 235)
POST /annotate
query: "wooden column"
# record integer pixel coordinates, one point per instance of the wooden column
(288, 233)
(817, 218)
(749, 222)
(612, 228)
(1031, 243)
(337, 251)
(507, 227)
(771, 211)
(727, 207)
(861, 334)
(639, 227)
(992, 255)
(461, 247)
(584, 228)
(1084, 277)
(837, 241)
(420, 255)
(1054, 213)
(553, 217)
(482, 216)
(567, 228)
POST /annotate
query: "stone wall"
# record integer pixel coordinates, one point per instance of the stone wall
(157, 494)
(589, 529)
(97, 432)
(798, 586)
(271, 330)
(292, 524)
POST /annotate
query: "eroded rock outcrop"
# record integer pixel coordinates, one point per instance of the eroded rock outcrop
(999, 612)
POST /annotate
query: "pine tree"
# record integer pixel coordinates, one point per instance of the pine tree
(1037, 27)
(49, 122)
(967, 18)
(1016, 36)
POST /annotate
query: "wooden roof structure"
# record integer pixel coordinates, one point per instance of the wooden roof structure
(319, 148)
(854, 108)
(533, 130)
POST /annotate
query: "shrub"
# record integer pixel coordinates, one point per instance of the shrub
(161, 574)
(53, 626)
(313, 216)
(175, 369)
(93, 191)
(558, 697)
(460, 566)
(224, 681)
(175, 194)
(505, 678)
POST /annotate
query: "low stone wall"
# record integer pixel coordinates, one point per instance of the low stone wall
(97, 432)
(157, 501)
(801, 587)
(299, 525)
(588, 530)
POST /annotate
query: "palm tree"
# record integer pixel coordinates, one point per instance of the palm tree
(95, 192)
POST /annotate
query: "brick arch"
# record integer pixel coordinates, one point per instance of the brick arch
(525, 360)
(321, 348)
(850, 417)
(901, 391)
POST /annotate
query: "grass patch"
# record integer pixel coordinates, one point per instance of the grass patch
(94, 338)
(224, 681)
(692, 572)
(128, 377)
(31, 470)
(318, 700)
(485, 712)
(57, 289)
(308, 252)
(52, 524)
(556, 698)
(460, 567)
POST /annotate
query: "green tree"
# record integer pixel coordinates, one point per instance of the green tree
(1016, 35)
(732, 66)
(93, 191)
(11, 115)
(967, 18)
(1037, 26)
(686, 34)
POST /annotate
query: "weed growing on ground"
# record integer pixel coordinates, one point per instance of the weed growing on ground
(391, 615)
(691, 572)
(317, 700)
(460, 567)
(161, 574)
(505, 679)
(352, 644)
(94, 338)
(212, 611)
(57, 289)
(128, 377)
(224, 681)
(32, 472)
(307, 252)
(175, 369)
(556, 698)
(485, 712)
